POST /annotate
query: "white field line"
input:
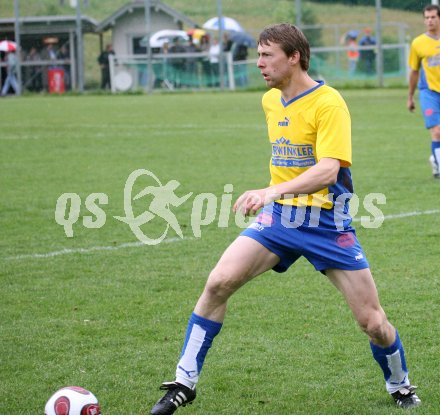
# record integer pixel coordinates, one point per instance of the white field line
(91, 249)
(404, 215)
(172, 240)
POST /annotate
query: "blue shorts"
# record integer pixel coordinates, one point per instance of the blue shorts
(430, 106)
(291, 232)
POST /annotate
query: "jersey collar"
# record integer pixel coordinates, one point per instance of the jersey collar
(432, 36)
(285, 104)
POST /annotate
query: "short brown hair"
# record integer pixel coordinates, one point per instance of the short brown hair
(430, 8)
(291, 40)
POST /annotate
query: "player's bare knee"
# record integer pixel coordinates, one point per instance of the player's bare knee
(220, 285)
(374, 325)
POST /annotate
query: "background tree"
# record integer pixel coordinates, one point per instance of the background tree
(408, 5)
(284, 11)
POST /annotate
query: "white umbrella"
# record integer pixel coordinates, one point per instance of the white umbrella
(8, 46)
(227, 23)
(162, 36)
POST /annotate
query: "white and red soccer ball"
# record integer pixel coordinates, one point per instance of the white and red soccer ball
(72, 400)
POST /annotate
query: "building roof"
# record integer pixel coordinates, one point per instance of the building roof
(157, 5)
(48, 24)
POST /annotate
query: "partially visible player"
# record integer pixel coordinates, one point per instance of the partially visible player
(424, 61)
(305, 213)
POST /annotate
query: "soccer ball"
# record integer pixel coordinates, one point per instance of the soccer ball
(72, 400)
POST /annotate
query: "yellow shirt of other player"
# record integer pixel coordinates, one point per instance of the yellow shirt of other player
(314, 125)
(424, 55)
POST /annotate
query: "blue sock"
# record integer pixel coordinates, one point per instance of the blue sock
(435, 147)
(198, 340)
(392, 361)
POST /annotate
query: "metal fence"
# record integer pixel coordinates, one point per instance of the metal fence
(195, 71)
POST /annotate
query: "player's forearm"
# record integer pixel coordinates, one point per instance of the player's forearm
(412, 84)
(316, 178)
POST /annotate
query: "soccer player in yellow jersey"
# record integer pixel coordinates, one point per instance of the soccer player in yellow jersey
(424, 61)
(304, 213)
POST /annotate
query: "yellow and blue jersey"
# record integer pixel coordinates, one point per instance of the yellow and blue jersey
(310, 127)
(424, 56)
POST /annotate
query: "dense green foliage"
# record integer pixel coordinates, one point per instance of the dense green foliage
(408, 5)
(285, 12)
(100, 9)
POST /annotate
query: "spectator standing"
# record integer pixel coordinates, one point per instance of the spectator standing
(350, 40)
(367, 58)
(191, 77)
(11, 74)
(63, 54)
(206, 65)
(160, 67)
(104, 63)
(48, 54)
(214, 59)
(177, 64)
(239, 56)
(34, 72)
(227, 42)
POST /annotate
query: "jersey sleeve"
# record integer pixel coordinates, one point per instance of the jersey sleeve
(414, 59)
(334, 134)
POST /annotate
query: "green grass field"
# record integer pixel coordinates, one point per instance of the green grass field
(102, 311)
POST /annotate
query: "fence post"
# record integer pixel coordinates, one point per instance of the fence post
(231, 76)
(111, 60)
(17, 41)
(379, 60)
